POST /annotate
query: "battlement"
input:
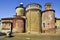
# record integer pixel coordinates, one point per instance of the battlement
(33, 6)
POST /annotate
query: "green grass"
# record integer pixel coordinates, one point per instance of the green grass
(32, 37)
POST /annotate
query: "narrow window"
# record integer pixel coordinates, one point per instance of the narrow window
(44, 24)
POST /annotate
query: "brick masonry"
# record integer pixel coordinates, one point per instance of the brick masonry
(18, 24)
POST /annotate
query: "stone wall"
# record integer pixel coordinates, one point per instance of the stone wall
(33, 21)
(18, 24)
(57, 25)
(6, 24)
(48, 21)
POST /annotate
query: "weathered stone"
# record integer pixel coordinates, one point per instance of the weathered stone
(18, 24)
(48, 19)
(33, 21)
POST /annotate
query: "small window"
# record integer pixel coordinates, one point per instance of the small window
(44, 24)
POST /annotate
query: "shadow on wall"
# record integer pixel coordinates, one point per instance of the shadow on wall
(24, 26)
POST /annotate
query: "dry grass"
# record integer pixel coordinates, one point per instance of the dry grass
(32, 37)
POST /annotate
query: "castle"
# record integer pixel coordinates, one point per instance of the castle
(31, 19)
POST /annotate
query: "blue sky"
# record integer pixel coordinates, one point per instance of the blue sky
(7, 7)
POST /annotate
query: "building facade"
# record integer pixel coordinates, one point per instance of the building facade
(33, 15)
(18, 24)
(31, 19)
(6, 24)
(48, 19)
(57, 25)
(19, 19)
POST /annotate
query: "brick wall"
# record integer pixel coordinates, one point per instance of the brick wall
(48, 21)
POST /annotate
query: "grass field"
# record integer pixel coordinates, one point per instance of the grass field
(32, 37)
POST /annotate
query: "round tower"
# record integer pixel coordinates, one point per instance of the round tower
(20, 10)
(19, 19)
(33, 18)
(48, 19)
(48, 6)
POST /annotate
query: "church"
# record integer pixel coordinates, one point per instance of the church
(31, 19)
